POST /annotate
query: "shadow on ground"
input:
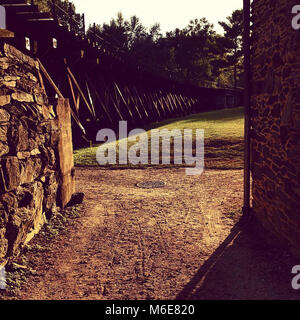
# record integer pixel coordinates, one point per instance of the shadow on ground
(244, 268)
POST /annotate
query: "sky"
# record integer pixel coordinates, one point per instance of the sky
(171, 14)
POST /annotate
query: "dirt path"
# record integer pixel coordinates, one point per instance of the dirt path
(133, 243)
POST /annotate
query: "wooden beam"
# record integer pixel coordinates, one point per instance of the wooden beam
(99, 99)
(50, 79)
(124, 101)
(115, 105)
(72, 92)
(78, 102)
(134, 102)
(41, 80)
(90, 97)
(81, 92)
(151, 97)
(6, 34)
(141, 101)
(60, 94)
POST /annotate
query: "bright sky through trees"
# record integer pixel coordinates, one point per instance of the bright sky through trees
(170, 14)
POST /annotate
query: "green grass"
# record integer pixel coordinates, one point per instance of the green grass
(226, 123)
(223, 130)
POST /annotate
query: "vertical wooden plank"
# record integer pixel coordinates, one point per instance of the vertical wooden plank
(65, 152)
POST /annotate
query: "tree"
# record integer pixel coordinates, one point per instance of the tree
(113, 33)
(121, 33)
(192, 50)
(194, 54)
(233, 29)
(46, 5)
(154, 32)
(135, 31)
(62, 10)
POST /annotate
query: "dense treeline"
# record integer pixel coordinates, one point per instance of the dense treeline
(195, 54)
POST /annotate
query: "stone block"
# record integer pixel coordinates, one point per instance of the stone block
(11, 171)
(27, 217)
(39, 217)
(15, 54)
(3, 244)
(11, 84)
(4, 100)
(47, 112)
(22, 96)
(50, 183)
(4, 148)
(30, 169)
(26, 85)
(20, 138)
(39, 99)
(9, 202)
(4, 63)
(4, 115)
(11, 78)
(3, 133)
(35, 152)
(32, 77)
(23, 155)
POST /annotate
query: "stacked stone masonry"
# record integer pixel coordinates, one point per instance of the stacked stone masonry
(29, 138)
(275, 119)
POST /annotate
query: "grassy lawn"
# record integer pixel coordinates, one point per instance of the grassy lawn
(223, 146)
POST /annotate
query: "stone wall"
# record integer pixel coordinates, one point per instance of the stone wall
(30, 134)
(275, 119)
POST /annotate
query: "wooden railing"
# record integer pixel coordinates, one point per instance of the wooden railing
(75, 21)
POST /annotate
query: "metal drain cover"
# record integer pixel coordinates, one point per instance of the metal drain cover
(151, 184)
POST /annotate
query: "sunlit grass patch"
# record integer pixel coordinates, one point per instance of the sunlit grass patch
(223, 131)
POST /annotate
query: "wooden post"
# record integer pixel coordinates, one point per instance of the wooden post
(247, 101)
(65, 151)
(73, 93)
